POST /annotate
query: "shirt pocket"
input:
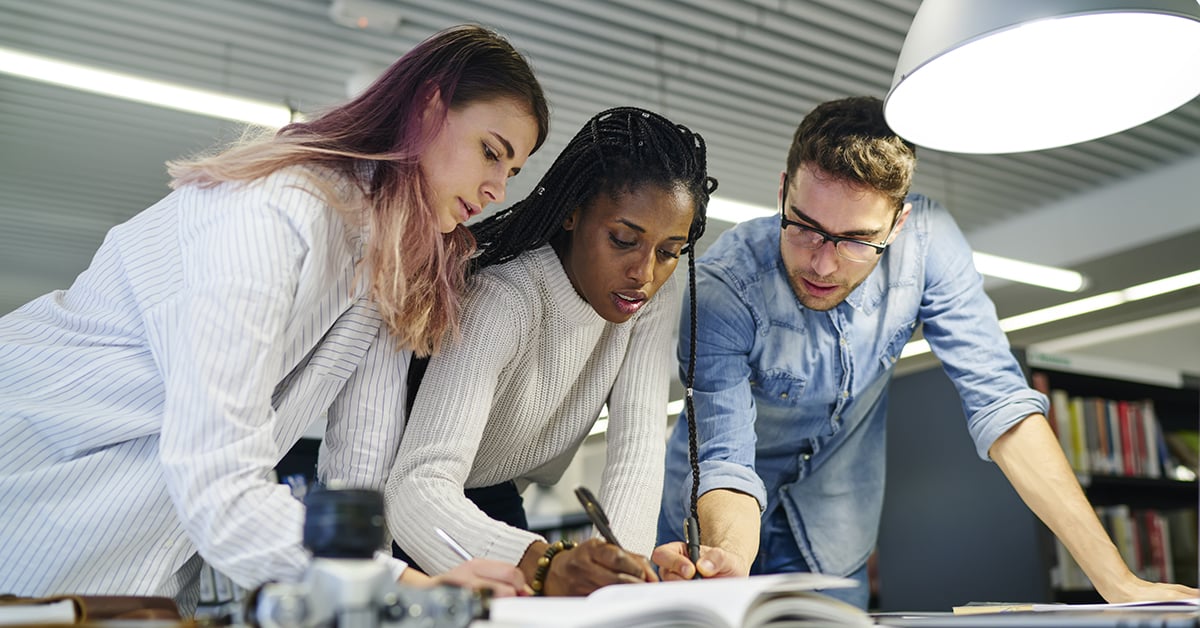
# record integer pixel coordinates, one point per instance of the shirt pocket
(778, 396)
(776, 387)
(904, 330)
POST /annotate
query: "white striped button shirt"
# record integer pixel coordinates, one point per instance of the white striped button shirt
(142, 410)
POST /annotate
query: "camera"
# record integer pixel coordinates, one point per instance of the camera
(345, 587)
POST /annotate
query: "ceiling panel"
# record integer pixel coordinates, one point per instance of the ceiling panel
(742, 73)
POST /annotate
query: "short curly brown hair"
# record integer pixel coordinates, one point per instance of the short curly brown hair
(849, 140)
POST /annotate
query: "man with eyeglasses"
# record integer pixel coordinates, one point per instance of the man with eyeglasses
(800, 320)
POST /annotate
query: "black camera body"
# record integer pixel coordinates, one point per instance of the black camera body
(345, 586)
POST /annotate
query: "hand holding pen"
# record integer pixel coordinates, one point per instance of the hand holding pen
(595, 562)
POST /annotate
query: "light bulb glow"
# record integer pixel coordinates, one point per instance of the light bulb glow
(1080, 307)
(1049, 83)
(137, 89)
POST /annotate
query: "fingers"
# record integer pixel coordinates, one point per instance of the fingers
(717, 563)
(594, 564)
(674, 564)
(614, 558)
(503, 579)
(672, 561)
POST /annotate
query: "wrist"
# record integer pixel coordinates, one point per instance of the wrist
(542, 571)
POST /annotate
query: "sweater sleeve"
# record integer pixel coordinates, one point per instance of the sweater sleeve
(631, 485)
(451, 410)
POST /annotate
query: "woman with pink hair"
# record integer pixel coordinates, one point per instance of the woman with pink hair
(143, 410)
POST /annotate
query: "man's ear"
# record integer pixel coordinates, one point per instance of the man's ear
(782, 184)
(904, 212)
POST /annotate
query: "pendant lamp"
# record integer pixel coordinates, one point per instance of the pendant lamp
(1005, 76)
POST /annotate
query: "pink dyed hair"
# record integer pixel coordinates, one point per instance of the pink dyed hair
(416, 272)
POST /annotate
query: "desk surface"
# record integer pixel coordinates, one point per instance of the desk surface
(1110, 618)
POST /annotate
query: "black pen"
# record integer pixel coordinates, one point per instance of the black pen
(596, 514)
(691, 527)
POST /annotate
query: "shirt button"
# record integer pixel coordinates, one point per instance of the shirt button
(845, 394)
(783, 395)
(842, 342)
(806, 456)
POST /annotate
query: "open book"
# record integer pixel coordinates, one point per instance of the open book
(753, 602)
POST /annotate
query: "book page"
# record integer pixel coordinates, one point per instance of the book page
(716, 602)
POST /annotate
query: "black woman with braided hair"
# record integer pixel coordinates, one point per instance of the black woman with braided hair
(569, 308)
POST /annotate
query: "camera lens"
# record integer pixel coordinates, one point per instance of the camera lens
(343, 523)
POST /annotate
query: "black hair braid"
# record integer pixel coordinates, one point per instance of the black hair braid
(616, 150)
(693, 452)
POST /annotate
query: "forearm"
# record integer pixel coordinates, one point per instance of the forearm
(1031, 459)
(730, 520)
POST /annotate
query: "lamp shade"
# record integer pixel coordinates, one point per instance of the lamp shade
(1005, 76)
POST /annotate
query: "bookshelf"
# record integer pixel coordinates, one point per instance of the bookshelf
(1129, 432)
(953, 530)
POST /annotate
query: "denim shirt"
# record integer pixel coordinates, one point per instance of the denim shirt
(791, 401)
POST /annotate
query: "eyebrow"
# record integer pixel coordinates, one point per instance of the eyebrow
(860, 233)
(638, 228)
(509, 152)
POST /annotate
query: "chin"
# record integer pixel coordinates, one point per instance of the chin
(615, 317)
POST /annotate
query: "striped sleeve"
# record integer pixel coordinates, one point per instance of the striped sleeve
(220, 348)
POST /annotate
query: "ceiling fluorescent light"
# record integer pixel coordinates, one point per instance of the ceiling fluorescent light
(1081, 306)
(367, 15)
(129, 87)
(986, 76)
(735, 211)
(1026, 272)
(1123, 331)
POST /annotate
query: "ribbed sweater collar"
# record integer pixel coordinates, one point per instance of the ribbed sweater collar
(562, 293)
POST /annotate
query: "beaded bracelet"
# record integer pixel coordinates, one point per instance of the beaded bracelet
(543, 565)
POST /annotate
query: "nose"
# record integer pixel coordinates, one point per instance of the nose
(641, 268)
(494, 190)
(825, 259)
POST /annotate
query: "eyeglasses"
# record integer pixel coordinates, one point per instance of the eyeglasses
(808, 237)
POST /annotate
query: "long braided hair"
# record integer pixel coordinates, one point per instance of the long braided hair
(618, 149)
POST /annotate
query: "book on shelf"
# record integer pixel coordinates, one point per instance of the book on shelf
(1158, 545)
(751, 602)
(1110, 436)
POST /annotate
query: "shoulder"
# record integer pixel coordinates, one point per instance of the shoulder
(929, 214)
(742, 273)
(748, 244)
(510, 286)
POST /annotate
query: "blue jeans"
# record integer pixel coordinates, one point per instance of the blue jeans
(778, 553)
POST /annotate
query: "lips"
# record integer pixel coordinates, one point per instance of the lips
(467, 210)
(628, 303)
(817, 289)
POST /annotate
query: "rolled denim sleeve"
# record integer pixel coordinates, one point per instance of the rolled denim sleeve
(724, 405)
(963, 331)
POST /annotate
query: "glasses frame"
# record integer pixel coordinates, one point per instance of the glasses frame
(829, 237)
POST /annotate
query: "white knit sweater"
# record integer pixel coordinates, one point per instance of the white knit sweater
(514, 399)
